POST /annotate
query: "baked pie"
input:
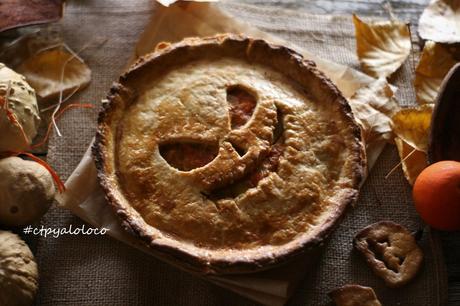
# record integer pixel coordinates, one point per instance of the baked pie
(228, 154)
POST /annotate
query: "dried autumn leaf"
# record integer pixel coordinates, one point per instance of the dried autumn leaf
(53, 70)
(412, 160)
(17, 13)
(440, 21)
(382, 47)
(412, 126)
(435, 61)
(373, 107)
(17, 51)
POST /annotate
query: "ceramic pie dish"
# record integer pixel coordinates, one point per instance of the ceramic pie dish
(228, 154)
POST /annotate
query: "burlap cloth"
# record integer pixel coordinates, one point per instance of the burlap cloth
(95, 270)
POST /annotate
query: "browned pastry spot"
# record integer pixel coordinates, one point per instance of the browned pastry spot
(269, 164)
(391, 252)
(354, 295)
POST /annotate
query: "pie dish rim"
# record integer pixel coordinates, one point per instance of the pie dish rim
(172, 251)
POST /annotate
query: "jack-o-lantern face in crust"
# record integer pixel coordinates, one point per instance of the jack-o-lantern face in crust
(228, 153)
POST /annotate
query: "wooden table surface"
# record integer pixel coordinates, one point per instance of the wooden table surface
(408, 10)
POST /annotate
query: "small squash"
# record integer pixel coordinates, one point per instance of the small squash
(19, 115)
(18, 271)
(26, 191)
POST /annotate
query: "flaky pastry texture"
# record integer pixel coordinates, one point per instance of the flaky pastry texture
(228, 154)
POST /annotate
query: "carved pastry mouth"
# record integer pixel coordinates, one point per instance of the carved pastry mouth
(186, 155)
(267, 164)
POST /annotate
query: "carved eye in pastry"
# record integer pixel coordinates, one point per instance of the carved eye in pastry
(241, 105)
(189, 154)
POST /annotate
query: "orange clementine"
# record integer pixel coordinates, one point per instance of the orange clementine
(436, 195)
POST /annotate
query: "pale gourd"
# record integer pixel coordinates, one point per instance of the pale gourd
(26, 191)
(18, 271)
(17, 99)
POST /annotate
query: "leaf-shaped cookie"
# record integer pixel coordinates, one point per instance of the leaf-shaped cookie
(412, 126)
(52, 70)
(440, 21)
(435, 61)
(412, 160)
(382, 47)
(373, 107)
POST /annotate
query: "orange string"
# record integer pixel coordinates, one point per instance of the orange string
(58, 115)
(56, 178)
(12, 118)
(60, 185)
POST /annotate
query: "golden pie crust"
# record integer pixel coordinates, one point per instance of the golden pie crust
(228, 154)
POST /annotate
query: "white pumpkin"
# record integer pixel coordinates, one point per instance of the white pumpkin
(18, 271)
(26, 191)
(22, 102)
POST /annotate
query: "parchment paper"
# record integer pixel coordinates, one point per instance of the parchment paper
(207, 20)
(85, 199)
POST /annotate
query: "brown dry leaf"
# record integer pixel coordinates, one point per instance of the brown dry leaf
(412, 126)
(373, 107)
(440, 21)
(383, 46)
(17, 51)
(435, 62)
(412, 160)
(53, 70)
(17, 13)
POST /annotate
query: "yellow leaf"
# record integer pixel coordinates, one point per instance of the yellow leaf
(412, 160)
(435, 62)
(440, 21)
(382, 47)
(373, 107)
(412, 126)
(53, 70)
